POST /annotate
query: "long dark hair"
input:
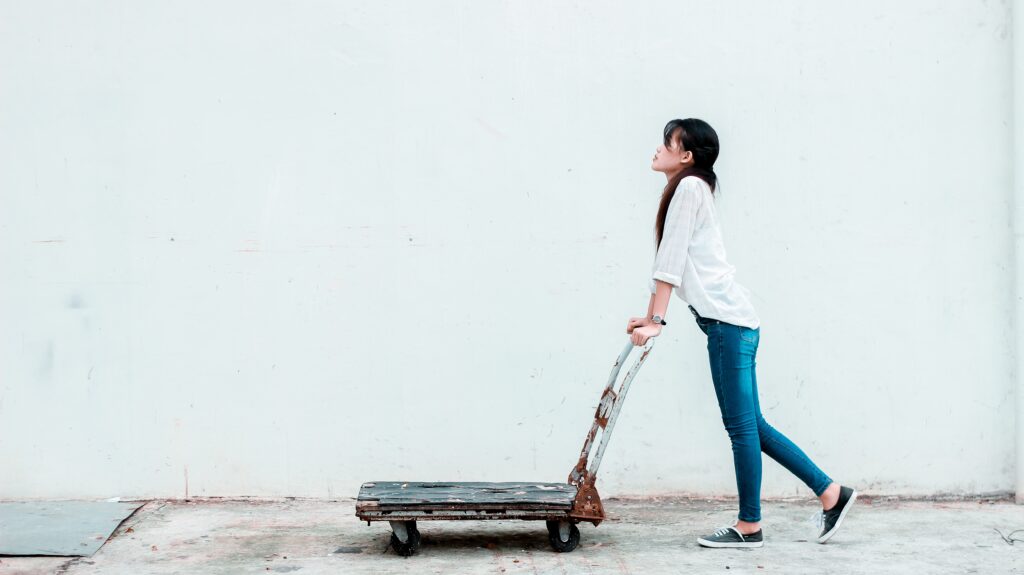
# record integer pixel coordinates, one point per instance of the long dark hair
(701, 140)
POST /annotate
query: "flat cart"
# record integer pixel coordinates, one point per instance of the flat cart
(560, 505)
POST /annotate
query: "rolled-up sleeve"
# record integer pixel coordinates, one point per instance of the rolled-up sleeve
(670, 260)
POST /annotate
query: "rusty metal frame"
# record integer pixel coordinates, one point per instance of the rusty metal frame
(587, 504)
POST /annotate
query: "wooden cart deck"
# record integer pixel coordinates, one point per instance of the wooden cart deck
(412, 500)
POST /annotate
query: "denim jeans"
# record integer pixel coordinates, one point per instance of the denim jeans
(732, 350)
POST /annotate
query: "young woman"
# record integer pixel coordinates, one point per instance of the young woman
(691, 258)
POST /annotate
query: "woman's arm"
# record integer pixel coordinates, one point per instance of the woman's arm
(659, 299)
(673, 251)
(640, 332)
(670, 260)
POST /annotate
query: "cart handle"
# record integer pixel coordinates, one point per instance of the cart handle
(608, 412)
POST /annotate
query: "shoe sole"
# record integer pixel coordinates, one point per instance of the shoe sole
(718, 545)
(849, 504)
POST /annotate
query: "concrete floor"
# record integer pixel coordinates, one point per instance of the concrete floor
(641, 536)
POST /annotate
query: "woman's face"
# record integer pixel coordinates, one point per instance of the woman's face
(671, 159)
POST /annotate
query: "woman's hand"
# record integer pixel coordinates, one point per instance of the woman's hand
(635, 322)
(640, 334)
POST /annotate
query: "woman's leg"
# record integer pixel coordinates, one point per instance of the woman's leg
(778, 446)
(732, 370)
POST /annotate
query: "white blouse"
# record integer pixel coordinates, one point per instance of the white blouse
(692, 258)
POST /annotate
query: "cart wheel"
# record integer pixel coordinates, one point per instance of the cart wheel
(563, 535)
(412, 537)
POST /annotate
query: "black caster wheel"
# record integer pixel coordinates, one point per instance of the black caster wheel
(563, 535)
(411, 536)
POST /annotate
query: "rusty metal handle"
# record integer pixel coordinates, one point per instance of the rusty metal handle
(620, 396)
(607, 413)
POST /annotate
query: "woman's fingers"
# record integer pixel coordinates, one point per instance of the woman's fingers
(633, 323)
(640, 336)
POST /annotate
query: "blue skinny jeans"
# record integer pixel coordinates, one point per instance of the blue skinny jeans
(732, 350)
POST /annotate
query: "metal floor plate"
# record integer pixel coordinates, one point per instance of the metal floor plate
(61, 528)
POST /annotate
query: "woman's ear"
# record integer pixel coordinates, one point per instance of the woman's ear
(687, 157)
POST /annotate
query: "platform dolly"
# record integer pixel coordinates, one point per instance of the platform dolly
(561, 505)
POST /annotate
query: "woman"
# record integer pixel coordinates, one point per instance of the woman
(691, 258)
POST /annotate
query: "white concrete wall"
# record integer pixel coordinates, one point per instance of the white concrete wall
(1018, 193)
(269, 249)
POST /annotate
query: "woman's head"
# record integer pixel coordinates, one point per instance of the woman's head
(689, 148)
(689, 143)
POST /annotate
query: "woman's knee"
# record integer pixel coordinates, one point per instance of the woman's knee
(738, 427)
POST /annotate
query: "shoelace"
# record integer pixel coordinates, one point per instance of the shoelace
(722, 531)
(818, 520)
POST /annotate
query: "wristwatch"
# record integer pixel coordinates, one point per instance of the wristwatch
(659, 319)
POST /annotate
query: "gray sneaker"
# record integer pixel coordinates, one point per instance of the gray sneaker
(830, 520)
(731, 537)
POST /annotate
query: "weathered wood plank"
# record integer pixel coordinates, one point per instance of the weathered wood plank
(414, 514)
(466, 494)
